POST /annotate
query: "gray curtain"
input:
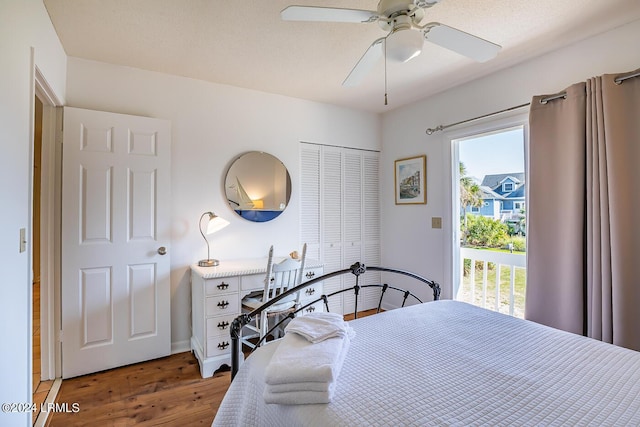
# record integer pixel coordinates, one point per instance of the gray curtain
(583, 226)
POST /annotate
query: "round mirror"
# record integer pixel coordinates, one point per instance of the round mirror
(258, 186)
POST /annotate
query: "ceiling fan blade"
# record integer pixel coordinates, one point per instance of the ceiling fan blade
(327, 14)
(463, 43)
(365, 64)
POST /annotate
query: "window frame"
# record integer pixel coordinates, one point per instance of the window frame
(495, 123)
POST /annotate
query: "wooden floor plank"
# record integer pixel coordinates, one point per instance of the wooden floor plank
(167, 392)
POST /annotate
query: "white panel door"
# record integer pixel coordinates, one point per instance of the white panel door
(115, 240)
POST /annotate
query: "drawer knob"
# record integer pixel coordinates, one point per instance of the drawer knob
(223, 325)
(222, 286)
(310, 291)
(311, 309)
(310, 274)
(223, 304)
(223, 345)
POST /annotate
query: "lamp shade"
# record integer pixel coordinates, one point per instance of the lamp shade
(216, 223)
(404, 44)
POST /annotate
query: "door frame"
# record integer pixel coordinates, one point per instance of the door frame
(493, 124)
(50, 201)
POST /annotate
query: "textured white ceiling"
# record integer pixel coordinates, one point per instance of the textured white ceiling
(246, 44)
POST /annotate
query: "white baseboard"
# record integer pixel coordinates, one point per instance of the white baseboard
(180, 347)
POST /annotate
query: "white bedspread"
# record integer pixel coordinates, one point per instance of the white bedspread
(448, 363)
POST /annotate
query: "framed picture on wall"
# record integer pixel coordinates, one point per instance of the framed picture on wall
(411, 180)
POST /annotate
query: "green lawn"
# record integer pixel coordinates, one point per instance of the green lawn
(464, 294)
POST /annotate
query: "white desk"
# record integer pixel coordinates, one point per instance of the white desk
(216, 295)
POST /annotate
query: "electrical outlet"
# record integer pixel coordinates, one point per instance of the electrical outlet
(436, 222)
(23, 239)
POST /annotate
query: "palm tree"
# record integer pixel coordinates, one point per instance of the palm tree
(470, 195)
(522, 223)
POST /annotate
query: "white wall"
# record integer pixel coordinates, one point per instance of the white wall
(419, 247)
(211, 125)
(24, 25)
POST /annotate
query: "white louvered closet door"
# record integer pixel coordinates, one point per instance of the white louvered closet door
(331, 221)
(371, 225)
(340, 211)
(310, 200)
(352, 221)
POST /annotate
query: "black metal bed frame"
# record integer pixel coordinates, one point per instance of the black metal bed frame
(356, 269)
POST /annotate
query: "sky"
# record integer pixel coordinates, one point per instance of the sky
(493, 154)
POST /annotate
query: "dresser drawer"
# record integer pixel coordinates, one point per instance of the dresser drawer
(253, 281)
(221, 285)
(311, 292)
(218, 305)
(311, 273)
(317, 307)
(219, 325)
(217, 346)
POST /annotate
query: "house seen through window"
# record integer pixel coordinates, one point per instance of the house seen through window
(492, 235)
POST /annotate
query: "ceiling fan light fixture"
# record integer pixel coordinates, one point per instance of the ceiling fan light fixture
(404, 45)
(402, 22)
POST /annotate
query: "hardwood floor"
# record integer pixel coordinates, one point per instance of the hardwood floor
(162, 392)
(167, 391)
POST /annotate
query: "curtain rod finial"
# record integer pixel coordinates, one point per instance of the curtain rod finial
(438, 128)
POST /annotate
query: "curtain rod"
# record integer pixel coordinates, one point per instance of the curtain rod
(627, 76)
(443, 127)
(618, 80)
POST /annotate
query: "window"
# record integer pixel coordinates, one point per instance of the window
(507, 187)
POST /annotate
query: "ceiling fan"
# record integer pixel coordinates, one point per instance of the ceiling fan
(402, 19)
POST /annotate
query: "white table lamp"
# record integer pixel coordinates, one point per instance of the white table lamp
(215, 223)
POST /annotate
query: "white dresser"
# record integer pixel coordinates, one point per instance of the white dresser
(216, 293)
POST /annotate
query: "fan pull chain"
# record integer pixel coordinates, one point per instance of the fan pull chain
(385, 72)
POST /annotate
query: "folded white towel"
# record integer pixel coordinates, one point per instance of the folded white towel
(299, 393)
(316, 327)
(297, 397)
(303, 386)
(297, 360)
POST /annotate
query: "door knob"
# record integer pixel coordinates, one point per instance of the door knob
(162, 250)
